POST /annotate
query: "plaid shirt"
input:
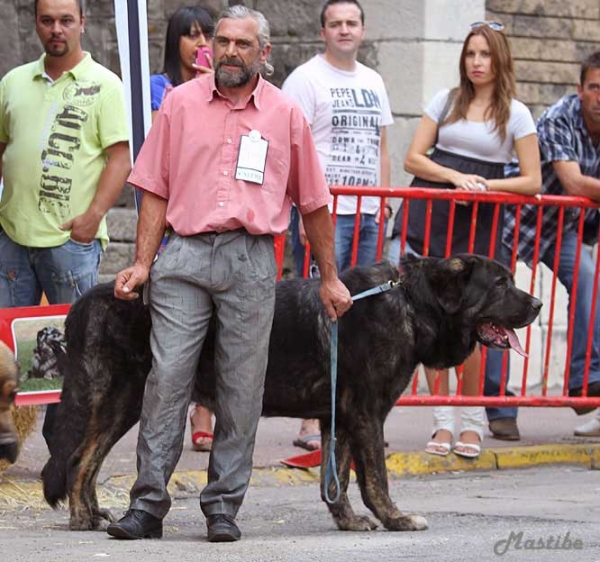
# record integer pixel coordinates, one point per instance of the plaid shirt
(562, 136)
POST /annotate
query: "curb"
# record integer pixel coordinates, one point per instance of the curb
(501, 458)
(113, 492)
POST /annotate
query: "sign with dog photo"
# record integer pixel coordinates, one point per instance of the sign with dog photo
(36, 336)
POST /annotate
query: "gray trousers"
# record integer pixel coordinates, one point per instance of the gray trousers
(233, 276)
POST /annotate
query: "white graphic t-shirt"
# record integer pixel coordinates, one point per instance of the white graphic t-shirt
(346, 111)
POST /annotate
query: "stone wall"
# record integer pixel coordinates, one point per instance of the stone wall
(549, 39)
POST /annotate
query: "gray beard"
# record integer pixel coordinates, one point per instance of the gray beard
(237, 79)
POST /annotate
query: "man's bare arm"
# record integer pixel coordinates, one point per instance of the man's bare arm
(319, 231)
(574, 182)
(151, 228)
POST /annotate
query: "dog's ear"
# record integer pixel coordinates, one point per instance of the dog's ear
(448, 282)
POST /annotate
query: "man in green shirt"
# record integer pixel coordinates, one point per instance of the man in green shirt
(65, 159)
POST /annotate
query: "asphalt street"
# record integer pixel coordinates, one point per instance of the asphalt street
(472, 517)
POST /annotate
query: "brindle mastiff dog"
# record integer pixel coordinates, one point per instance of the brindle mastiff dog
(436, 314)
(9, 444)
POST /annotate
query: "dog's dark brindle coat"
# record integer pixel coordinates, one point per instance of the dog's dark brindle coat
(9, 445)
(435, 316)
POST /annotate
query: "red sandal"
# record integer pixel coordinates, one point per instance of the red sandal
(202, 441)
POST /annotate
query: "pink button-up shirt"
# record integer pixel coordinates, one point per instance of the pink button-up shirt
(190, 158)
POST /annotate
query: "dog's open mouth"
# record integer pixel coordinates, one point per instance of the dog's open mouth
(493, 335)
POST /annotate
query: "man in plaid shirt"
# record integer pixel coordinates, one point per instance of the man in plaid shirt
(569, 138)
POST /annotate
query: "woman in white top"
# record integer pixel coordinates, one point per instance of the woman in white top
(481, 127)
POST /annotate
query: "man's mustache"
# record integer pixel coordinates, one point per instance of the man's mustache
(231, 62)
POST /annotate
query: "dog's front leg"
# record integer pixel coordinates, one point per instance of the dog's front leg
(341, 510)
(367, 447)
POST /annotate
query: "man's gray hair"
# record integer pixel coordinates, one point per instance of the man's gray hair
(239, 12)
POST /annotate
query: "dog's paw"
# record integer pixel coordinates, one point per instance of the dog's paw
(104, 514)
(82, 524)
(358, 523)
(407, 523)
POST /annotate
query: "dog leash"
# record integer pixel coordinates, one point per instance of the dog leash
(331, 463)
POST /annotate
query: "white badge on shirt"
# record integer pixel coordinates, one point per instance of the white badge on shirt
(252, 158)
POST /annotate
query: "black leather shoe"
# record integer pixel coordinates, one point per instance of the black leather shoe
(593, 390)
(222, 528)
(505, 429)
(136, 524)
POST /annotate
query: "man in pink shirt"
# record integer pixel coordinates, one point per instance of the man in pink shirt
(225, 158)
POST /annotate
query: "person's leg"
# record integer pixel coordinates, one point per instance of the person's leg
(244, 296)
(181, 308)
(202, 428)
(506, 426)
(442, 431)
(394, 251)
(297, 246)
(367, 244)
(309, 436)
(471, 434)
(583, 308)
(19, 285)
(66, 272)
(344, 235)
(502, 420)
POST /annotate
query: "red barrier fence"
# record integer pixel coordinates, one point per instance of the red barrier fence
(540, 378)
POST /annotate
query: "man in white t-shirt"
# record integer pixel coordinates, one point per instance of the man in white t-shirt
(348, 109)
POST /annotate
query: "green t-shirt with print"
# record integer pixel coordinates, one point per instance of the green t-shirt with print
(56, 134)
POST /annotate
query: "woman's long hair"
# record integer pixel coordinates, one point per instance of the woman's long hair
(180, 24)
(504, 87)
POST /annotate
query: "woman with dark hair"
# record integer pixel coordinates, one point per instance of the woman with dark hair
(474, 130)
(188, 30)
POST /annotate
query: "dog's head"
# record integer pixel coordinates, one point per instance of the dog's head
(9, 447)
(50, 337)
(476, 296)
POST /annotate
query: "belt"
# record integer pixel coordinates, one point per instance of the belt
(216, 233)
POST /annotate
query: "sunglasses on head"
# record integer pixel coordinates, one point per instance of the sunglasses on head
(495, 25)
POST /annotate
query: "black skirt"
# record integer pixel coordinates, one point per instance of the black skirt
(463, 214)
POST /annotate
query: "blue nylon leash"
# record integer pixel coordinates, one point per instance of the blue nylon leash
(331, 463)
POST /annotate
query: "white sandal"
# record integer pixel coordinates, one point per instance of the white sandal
(443, 419)
(468, 454)
(438, 448)
(472, 419)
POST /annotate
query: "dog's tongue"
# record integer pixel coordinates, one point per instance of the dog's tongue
(514, 342)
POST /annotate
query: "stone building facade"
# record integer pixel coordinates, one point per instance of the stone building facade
(414, 44)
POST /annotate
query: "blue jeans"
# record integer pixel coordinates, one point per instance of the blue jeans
(493, 378)
(297, 246)
(394, 251)
(583, 306)
(63, 273)
(367, 242)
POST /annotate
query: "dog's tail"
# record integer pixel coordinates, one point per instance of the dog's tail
(67, 431)
(54, 477)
